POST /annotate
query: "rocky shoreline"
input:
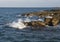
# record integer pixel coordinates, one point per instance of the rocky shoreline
(44, 18)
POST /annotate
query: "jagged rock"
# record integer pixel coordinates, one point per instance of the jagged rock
(55, 21)
(51, 21)
(49, 18)
(35, 23)
(48, 21)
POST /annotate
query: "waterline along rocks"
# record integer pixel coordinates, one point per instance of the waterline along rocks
(43, 18)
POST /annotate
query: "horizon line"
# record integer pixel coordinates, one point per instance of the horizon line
(29, 7)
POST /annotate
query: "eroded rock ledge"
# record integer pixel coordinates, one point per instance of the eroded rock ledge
(49, 18)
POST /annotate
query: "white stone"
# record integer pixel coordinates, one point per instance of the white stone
(48, 17)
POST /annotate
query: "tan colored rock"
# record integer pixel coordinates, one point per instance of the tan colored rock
(51, 21)
(48, 22)
(55, 21)
(35, 23)
(38, 23)
(41, 23)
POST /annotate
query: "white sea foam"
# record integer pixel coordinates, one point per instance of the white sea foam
(27, 20)
(19, 24)
(41, 20)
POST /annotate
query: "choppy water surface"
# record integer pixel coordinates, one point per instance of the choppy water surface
(10, 34)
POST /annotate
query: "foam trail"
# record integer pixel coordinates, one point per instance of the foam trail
(19, 24)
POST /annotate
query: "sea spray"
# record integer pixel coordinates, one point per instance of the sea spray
(17, 24)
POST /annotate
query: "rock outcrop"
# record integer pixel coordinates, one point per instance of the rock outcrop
(35, 24)
(55, 21)
(51, 18)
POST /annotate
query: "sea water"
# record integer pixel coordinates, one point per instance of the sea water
(12, 28)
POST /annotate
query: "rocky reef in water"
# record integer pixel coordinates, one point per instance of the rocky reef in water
(43, 18)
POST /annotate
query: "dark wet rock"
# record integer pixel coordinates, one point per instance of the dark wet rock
(48, 21)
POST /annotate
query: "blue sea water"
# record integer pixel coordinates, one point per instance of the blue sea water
(10, 34)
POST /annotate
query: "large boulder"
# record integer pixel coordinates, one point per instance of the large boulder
(47, 20)
(51, 21)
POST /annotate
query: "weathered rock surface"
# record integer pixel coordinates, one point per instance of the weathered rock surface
(55, 21)
(52, 20)
(35, 23)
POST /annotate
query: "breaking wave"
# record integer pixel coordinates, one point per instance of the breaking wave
(20, 22)
(17, 24)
